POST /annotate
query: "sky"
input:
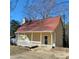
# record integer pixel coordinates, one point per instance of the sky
(17, 9)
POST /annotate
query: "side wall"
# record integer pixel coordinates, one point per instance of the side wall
(59, 35)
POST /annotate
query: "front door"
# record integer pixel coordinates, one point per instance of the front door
(46, 39)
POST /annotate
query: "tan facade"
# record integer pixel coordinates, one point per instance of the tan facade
(38, 36)
(48, 34)
(59, 35)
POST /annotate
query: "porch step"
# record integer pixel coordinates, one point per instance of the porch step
(46, 46)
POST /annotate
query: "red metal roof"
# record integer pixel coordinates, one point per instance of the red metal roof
(48, 24)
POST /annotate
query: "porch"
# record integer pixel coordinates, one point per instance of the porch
(36, 39)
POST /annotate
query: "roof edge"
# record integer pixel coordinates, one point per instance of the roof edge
(32, 31)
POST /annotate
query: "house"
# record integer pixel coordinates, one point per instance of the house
(47, 32)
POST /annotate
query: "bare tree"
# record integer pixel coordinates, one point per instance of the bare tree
(30, 12)
(40, 7)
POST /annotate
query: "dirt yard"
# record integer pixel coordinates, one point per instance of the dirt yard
(17, 52)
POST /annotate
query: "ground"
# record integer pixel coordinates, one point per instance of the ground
(18, 52)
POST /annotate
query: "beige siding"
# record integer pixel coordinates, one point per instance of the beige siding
(49, 37)
(36, 36)
(59, 36)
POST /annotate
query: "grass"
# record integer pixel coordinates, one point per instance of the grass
(17, 49)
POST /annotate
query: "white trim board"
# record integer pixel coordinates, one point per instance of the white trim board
(32, 31)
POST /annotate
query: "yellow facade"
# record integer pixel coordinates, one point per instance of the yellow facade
(49, 37)
(38, 36)
(59, 35)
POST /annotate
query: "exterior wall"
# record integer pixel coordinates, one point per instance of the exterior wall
(59, 35)
(36, 36)
(49, 37)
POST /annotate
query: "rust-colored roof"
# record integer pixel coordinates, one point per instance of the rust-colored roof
(48, 24)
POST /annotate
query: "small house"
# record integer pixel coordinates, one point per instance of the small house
(44, 32)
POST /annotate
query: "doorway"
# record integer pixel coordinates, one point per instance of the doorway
(45, 39)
